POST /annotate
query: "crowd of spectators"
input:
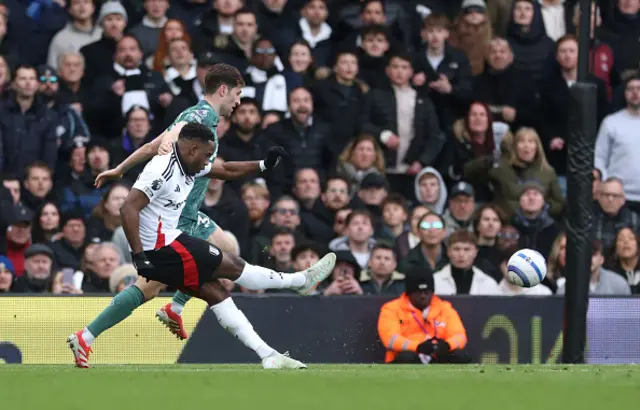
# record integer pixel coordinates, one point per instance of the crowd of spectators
(424, 134)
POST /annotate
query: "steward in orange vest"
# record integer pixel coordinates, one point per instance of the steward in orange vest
(419, 327)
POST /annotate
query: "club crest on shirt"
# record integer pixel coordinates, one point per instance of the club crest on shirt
(157, 184)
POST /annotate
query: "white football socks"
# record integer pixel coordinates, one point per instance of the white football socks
(235, 322)
(177, 308)
(257, 278)
(87, 336)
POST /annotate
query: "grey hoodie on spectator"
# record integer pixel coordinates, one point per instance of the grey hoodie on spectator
(439, 206)
(617, 152)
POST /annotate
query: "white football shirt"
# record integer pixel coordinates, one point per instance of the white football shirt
(166, 183)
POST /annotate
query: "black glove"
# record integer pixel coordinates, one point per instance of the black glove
(427, 347)
(441, 347)
(274, 156)
(141, 263)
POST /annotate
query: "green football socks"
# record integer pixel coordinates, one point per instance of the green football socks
(179, 300)
(121, 306)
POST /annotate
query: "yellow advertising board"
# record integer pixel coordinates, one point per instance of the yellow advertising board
(39, 326)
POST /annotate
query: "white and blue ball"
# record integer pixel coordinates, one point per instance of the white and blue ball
(527, 268)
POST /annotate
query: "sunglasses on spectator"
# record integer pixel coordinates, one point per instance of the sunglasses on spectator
(265, 50)
(509, 235)
(283, 211)
(52, 79)
(431, 225)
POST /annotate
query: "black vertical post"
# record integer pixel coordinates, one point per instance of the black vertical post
(581, 143)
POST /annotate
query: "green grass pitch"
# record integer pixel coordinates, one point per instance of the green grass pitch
(326, 387)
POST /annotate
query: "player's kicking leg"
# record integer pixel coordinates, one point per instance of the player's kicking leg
(120, 308)
(170, 315)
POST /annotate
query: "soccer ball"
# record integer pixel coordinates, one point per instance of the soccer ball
(527, 268)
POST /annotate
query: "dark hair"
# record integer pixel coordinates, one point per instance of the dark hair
(462, 237)
(281, 230)
(564, 39)
(633, 76)
(396, 199)
(249, 101)
(437, 20)
(365, 3)
(359, 212)
(196, 132)
(384, 245)
(37, 164)
(38, 234)
(222, 74)
(131, 36)
(402, 56)
(374, 30)
(345, 51)
(300, 87)
(338, 177)
(23, 67)
(244, 10)
(480, 211)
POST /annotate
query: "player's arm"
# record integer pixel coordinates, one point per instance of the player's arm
(238, 169)
(130, 214)
(159, 145)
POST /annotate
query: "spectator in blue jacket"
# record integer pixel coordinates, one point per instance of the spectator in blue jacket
(27, 126)
(82, 193)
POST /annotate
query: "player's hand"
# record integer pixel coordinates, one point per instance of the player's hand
(166, 147)
(141, 263)
(109, 175)
(274, 156)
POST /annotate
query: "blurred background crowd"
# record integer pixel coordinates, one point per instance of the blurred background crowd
(424, 134)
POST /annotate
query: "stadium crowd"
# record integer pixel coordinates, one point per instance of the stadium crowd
(424, 135)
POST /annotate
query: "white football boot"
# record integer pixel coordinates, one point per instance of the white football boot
(281, 361)
(317, 273)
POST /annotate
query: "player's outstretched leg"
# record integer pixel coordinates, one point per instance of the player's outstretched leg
(235, 322)
(120, 307)
(256, 277)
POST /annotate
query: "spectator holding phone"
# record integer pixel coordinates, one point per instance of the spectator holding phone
(343, 277)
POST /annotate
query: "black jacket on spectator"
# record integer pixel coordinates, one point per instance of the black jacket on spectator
(537, 234)
(532, 50)
(554, 106)
(98, 59)
(416, 259)
(606, 227)
(270, 24)
(457, 68)
(65, 256)
(32, 202)
(488, 260)
(307, 148)
(226, 48)
(371, 70)
(341, 106)
(70, 128)
(231, 214)
(622, 33)
(33, 28)
(82, 194)
(508, 87)
(91, 283)
(26, 137)
(317, 222)
(23, 284)
(381, 114)
(234, 148)
(104, 112)
(97, 229)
